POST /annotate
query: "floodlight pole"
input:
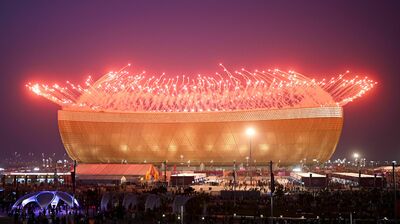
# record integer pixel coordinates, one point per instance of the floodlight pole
(250, 132)
(165, 171)
(251, 173)
(359, 173)
(74, 179)
(272, 191)
(182, 214)
(351, 217)
(395, 191)
(74, 184)
(234, 183)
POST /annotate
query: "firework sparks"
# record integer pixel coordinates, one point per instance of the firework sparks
(228, 91)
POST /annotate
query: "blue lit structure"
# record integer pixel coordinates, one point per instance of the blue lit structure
(45, 198)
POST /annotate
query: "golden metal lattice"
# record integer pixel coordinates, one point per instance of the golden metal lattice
(286, 136)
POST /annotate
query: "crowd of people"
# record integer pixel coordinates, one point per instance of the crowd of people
(300, 206)
(48, 216)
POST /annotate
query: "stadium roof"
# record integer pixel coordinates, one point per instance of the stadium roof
(38, 173)
(354, 175)
(387, 168)
(308, 174)
(114, 169)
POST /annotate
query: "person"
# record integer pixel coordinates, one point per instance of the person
(16, 216)
(31, 218)
(64, 219)
(42, 218)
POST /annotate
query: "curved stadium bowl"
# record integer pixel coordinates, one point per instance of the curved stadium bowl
(284, 136)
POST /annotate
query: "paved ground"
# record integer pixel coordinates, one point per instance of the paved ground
(5, 219)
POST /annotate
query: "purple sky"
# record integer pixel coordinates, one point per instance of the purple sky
(54, 41)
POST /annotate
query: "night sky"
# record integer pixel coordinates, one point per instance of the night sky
(55, 41)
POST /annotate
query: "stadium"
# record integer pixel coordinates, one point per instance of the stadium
(123, 118)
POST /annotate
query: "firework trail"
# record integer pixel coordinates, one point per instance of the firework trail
(227, 91)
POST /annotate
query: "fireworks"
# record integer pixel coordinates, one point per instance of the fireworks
(226, 91)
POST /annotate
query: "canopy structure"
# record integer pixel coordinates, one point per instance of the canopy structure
(130, 200)
(45, 198)
(153, 201)
(111, 199)
(179, 201)
(108, 199)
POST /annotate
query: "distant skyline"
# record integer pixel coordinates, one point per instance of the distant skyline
(58, 41)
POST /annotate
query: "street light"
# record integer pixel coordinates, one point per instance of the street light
(234, 184)
(356, 157)
(250, 132)
(394, 190)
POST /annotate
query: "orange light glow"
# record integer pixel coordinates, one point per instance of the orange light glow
(229, 91)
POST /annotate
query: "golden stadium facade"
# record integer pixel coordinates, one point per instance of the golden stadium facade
(285, 136)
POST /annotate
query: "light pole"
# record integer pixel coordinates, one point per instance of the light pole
(165, 172)
(250, 133)
(247, 168)
(395, 190)
(234, 184)
(183, 177)
(356, 156)
(272, 186)
(74, 184)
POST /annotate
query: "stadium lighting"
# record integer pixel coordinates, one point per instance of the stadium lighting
(356, 155)
(250, 132)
